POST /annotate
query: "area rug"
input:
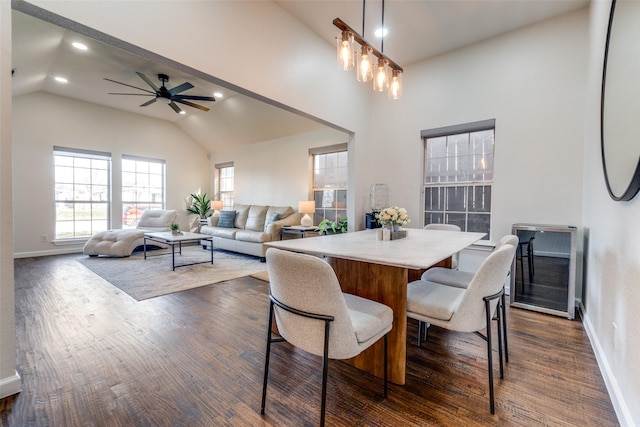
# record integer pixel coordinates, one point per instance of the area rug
(261, 275)
(143, 279)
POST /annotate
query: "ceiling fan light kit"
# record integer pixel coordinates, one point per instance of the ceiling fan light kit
(166, 96)
(387, 75)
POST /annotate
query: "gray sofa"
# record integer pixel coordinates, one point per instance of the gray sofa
(252, 226)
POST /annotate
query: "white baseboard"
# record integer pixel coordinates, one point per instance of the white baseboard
(617, 398)
(10, 385)
(58, 251)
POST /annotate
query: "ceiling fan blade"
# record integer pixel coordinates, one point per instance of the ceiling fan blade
(191, 104)
(194, 97)
(149, 82)
(151, 101)
(134, 94)
(175, 107)
(180, 88)
(124, 84)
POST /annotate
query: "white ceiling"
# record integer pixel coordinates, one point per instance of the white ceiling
(417, 30)
(421, 29)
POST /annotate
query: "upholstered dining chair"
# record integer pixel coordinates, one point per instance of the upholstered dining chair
(312, 313)
(455, 258)
(467, 310)
(461, 279)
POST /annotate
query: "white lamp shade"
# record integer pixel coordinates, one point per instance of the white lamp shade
(216, 204)
(307, 207)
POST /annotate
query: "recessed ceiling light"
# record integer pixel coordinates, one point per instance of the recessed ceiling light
(61, 79)
(218, 95)
(79, 46)
(381, 32)
(183, 112)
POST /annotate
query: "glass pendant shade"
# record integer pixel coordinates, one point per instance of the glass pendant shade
(395, 85)
(380, 79)
(345, 51)
(365, 64)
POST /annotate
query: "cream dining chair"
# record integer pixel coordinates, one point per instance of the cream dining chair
(313, 314)
(455, 258)
(467, 310)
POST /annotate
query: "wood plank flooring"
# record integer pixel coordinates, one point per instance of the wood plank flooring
(89, 355)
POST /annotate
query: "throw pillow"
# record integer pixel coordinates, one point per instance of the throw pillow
(270, 219)
(226, 219)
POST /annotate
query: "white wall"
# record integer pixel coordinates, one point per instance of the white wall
(276, 172)
(612, 268)
(9, 378)
(525, 82)
(42, 120)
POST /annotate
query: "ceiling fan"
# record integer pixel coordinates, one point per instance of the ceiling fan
(170, 96)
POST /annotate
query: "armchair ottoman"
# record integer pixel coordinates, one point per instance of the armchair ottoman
(122, 242)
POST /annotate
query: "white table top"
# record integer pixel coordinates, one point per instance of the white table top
(419, 250)
(170, 237)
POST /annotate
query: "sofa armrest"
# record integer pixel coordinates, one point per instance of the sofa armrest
(275, 226)
(212, 221)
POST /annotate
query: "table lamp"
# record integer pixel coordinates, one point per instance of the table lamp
(307, 207)
(216, 205)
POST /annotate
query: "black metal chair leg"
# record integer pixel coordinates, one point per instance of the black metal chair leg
(266, 359)
(325, 370)
(384, 393)
(499, 325)
(489, 356)
(419, 333)
(504, 329)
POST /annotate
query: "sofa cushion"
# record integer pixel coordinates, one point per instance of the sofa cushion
(269, 219)
(252, 236)
(227, 219)
(226, 233)
(283, 211)
(242, 212)
(256, 218)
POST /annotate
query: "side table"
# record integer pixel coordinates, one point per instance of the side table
(298, 230)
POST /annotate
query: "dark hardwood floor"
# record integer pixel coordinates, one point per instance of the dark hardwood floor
(89, 355)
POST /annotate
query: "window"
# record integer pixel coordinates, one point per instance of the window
(330, 175)
(225, 172)
(82, 192)
(142, 188)
(458, 175)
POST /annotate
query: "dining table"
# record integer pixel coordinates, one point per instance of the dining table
(380, 270)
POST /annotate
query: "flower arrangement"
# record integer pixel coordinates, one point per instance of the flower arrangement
(393, 216)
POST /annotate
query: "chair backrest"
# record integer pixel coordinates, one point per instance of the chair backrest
(509, 239)
(157, 219)
(446, 227)
(470, 316)
(309, 284)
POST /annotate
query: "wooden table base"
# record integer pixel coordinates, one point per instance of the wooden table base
(387, 285)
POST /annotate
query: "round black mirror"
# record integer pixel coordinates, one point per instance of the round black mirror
(620, 102)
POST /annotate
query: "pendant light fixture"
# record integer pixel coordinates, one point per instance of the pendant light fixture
(386, 75)
(345, 51)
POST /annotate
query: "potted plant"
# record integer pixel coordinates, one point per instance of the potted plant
(199, 204)
(327, 226)
(175, 228)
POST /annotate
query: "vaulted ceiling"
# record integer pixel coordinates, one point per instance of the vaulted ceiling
(417, 30)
